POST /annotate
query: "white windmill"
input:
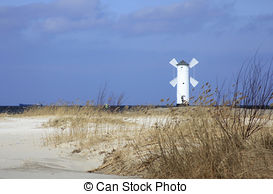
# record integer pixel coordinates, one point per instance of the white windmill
(183, 79)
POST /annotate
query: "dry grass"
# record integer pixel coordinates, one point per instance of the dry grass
(187, 142)
(193, 147)
(183, 142)
(91, 126)
(200, 149)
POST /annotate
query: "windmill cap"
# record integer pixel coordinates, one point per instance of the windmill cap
(182, 63)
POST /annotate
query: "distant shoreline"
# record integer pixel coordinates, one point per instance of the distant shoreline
(21, 108)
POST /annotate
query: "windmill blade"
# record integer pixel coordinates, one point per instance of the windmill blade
(174, 82)
(193, 82)
(173, 62)
(193, 62)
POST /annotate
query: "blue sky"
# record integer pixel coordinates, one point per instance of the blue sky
(68, 49)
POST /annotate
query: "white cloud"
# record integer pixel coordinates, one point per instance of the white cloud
(189, 16)
(57, 16)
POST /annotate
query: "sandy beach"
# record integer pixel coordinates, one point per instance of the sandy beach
(22, 154)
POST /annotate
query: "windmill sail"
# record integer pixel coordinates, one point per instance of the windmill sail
(173, 62)
(193, 82)
(193, 62)
(174, 82)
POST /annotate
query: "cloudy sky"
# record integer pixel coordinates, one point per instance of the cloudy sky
(68, 49)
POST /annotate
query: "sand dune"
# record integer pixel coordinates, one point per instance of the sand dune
(22, 154)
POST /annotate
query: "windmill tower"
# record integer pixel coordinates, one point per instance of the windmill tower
(183, 79)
